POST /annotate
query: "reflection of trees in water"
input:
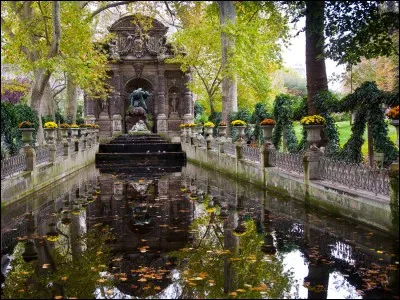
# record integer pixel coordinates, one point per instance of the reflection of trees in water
(251, 273)
(56, 272)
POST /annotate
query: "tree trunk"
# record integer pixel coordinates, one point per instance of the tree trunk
(41, 79)
(71, 99)
(47, 105)
(227, 14)
(315, 62)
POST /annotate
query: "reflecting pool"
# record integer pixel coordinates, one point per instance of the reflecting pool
(188, 234)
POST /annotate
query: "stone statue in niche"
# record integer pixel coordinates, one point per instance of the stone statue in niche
(138, 98)
(174, 103)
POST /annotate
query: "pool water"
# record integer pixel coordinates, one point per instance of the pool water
(189, 234)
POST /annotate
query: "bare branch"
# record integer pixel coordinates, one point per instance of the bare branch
(99, 10)
(202, 79)
(83, 4)
(59, 91)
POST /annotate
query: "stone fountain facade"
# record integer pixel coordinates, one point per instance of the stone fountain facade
(137, 60)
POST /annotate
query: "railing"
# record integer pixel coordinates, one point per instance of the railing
(12, 165)
(202, 142)
(355, 176)
(251, 153)
(230, 148)
(287, 161)
(72, 146)
(42, 155)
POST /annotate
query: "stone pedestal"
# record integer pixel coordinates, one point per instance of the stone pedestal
(116, 124)
(311, 163)
(30, 158)
(162, 126)
(53, 152)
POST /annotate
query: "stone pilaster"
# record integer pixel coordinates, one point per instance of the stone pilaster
(161, 117)
(30, 158)
(311, 164)
(187, 100)
(116, 124)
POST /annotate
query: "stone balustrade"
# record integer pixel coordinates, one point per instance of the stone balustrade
(34, 168)
(310, 177)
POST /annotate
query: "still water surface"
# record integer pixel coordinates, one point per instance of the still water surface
(189, 234)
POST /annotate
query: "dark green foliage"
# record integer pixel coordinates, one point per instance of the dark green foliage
(68, 120)
(59, 118)
(11, 116)
(260, 113)
(79, 120)
(283, 115)
(198, 109)
(300, 108)
(327, 102)
(367, 101)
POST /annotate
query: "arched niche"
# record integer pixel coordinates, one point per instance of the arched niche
(145, 84)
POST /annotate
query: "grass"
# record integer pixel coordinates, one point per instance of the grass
(344, 129)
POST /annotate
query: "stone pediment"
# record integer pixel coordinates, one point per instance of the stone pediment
(136, 40)
(131, 23)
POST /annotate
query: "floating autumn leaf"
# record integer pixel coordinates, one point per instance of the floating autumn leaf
(157, 288)
(64, 278)
(58, 297)
(233, 294)
(45, 266)
(123, 279)
(101, 280)
(142, 280)
(240, 290)
(109, 292)
(24, 273)
(99, 253)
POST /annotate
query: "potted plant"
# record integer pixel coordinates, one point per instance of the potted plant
(26, 128)
(241, 126)
(313, 124)
(52, 235)
(267, 125)
(393, 114)
(64, 127)
(50, 129)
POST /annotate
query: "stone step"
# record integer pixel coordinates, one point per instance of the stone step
(140, 159)
(140, 148)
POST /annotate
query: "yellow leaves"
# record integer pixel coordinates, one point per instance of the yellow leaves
(379, 251)
(24, 273)
(101, 280)
(64, 278)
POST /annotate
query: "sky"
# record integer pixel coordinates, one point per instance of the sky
(295, 55)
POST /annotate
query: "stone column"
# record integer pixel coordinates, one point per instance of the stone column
(187, 100)
(65, 148)
(161, 118)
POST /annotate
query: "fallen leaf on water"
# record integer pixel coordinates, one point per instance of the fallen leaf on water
(45, 266)
(142, 280)
(101, 280)
(232, 294)
(123, 279)
(157, 288)
(240, 290)
(64, 278)
(58, 297)
(109, 292)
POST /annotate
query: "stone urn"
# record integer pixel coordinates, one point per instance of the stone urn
(74, 132)
(267, 132)
(313, 133)
(27, 135)
(209, 131)
(395, 123)
(222, 131)
(64, 133)
(199, 129)
(50, 135)
(240, 132)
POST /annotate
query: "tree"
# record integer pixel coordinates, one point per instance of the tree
(227, 16)
(354, 29)
(258, 28)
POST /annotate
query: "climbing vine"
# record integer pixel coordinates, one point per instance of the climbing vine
(283, 115)
(367, 102)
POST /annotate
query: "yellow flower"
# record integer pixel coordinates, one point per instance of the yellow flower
(50, 125)
(209, 124)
